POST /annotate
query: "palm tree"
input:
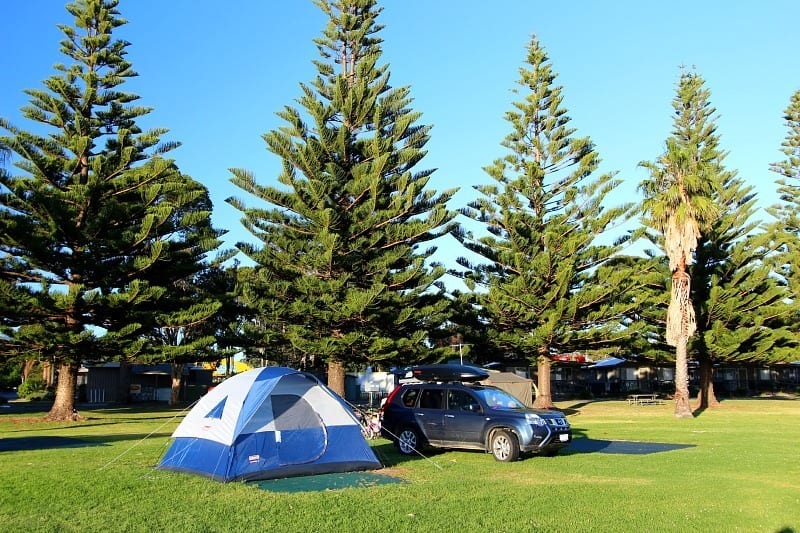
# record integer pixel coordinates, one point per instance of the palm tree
(679, 204)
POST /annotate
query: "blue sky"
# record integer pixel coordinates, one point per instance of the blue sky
(216, 73)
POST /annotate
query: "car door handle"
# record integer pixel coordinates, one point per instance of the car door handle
(450, 416)
(419, 414)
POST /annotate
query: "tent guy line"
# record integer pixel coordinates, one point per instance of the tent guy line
(135, 444)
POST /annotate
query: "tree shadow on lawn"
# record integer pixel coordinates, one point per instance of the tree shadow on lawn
(29, 424)
(18, 444)
(574, 409)
(153, 410)
(47, 442)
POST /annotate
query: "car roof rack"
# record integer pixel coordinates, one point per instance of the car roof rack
(447, 373)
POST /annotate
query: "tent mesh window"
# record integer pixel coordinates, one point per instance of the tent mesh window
(301, 433)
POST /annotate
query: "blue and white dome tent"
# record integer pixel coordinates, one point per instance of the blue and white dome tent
(267, 423)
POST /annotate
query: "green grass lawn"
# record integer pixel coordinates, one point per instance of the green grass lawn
(736, 469)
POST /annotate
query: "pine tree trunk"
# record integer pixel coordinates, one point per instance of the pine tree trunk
(30, 364)
(707, 397)
(124, 388)
(175, 391)
(48, 374)
(682, 407)
(64, 405)
(544, 399)
(336, 377)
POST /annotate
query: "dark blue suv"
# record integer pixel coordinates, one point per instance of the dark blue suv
(470, 416)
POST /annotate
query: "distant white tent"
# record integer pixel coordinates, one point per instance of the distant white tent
(519, 387)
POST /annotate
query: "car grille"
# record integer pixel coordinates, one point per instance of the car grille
(557, 422)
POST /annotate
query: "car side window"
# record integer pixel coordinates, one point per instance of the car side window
(431, 399)
(460, 400)
(410, 397)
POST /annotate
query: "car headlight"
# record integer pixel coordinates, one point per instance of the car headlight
(535, 419)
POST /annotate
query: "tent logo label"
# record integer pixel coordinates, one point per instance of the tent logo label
(254, 459)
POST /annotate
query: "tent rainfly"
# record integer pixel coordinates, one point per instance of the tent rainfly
(269, 423)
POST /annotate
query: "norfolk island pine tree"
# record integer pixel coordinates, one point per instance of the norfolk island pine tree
(787, 212)
(345, 242)
(742, 309)
(97, 215)
(545, 284)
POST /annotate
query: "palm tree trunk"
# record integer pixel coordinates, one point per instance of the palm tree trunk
(680, 327)
(682, 407)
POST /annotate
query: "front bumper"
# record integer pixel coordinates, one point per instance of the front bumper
(556, 433)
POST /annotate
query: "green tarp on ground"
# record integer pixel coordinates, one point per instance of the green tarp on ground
(326, 482)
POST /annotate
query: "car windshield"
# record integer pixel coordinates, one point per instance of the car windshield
(498, 399)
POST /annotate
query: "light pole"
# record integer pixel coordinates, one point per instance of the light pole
(460, 350)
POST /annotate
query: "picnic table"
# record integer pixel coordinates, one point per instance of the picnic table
(644, 399)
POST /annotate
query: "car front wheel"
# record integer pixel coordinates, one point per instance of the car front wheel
(504, 446)
(408, 441)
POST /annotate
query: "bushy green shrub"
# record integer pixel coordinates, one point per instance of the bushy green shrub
(33, 388)
(42, 395)
(10, 375)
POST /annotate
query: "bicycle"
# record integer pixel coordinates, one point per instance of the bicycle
(370, 424)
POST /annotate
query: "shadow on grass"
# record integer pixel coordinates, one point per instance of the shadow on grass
(45, 442)
(42, 442)
(389, 456)
(157, 421)
(575, 408)
(623, 447)
(152, 410)
(17, 444)
(134, 412)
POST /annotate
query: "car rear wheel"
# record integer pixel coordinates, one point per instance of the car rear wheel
(504, 446)
(408, 441)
